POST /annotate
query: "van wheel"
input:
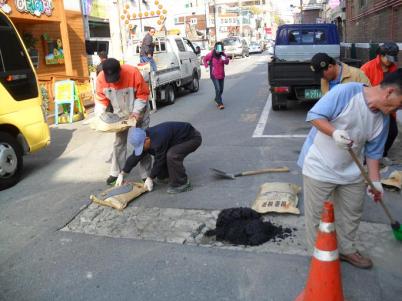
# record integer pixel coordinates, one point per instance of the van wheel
(170, 96)
(278, 102)
(194, 86)
(11, 161)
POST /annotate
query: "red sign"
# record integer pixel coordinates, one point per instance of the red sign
(268, 30)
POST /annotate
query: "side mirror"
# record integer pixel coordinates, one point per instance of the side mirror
(197, 50)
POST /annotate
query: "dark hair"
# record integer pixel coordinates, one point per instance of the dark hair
(151, 28)
(393, 79)
(102, 54)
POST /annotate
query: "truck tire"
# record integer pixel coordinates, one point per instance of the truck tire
(170, 96)
(11, 161)
(194, 86)
(278, 102)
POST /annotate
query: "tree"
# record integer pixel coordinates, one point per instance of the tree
(278, 20)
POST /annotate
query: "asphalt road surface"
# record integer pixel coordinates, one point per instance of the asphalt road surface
(40, 262)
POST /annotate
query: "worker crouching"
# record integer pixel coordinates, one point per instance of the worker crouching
(169, 143)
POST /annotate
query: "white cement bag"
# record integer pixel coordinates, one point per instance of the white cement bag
(109, 122)
(277, 197)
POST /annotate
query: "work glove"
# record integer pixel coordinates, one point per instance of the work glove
(379, 193)
(120, 179)
(149, 184)
(99, 109)
(342, 139)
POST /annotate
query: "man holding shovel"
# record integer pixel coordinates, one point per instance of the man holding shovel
(349, 116)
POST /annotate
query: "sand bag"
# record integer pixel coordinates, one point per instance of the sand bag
(394, 181)
(109, 122)
(119, 197)
(277, 197)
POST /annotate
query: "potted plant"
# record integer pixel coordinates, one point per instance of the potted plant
(30, 43)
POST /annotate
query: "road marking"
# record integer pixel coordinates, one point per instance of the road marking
(262, 122)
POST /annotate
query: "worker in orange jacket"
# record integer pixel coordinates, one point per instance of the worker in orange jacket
(124, 88)
(385, 62)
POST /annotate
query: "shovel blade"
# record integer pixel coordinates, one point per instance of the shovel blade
(222, 174)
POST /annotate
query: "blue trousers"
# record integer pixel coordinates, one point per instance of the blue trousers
(150, 60)
(219, 85)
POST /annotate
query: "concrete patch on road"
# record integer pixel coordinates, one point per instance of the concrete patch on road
(187, 227)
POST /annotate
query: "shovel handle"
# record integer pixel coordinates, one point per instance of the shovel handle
(368, 180)
(260, 171)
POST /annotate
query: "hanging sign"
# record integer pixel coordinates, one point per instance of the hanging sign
(35, 7)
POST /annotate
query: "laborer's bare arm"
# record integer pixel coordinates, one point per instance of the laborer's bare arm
(373, 169)
(324, 126)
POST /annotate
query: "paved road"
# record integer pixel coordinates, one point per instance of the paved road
(40, 262)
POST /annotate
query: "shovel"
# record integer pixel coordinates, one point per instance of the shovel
(231, 176)
(395, 225)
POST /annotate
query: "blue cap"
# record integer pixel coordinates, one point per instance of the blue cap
(136, 137)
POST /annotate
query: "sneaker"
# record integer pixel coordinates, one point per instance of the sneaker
(161, 181)
(111, 180)
(178, 189)
(357, 259)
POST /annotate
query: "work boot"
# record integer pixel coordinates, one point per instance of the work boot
(357, 259)
(178, 189)
(111, 180)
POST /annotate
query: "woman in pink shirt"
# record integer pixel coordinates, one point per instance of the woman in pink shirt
(217, 60)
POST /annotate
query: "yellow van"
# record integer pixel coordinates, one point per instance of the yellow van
(22, 124)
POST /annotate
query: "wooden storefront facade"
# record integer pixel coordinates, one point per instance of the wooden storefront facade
(56, 41)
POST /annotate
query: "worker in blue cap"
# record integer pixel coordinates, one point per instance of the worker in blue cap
(169, 143)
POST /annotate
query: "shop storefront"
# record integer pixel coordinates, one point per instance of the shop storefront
(56, 46)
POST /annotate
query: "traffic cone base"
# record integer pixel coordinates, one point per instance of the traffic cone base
(324, 280)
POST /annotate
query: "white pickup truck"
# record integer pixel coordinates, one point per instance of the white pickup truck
(178, 66)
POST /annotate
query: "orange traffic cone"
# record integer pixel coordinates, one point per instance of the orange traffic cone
(324, 280)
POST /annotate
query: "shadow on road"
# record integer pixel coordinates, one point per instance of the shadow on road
(60, 138)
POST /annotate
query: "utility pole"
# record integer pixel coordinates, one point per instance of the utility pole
(216, 30)
(301, 11)
(241, 19)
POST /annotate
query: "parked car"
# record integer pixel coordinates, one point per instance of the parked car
(236, 46)
(23, 128)
(255, 47)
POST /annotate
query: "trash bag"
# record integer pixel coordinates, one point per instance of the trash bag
(119, 197)
(110, 122)
(277, 197)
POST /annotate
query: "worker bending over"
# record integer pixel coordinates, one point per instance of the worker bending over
(169, 143)
(349, 115)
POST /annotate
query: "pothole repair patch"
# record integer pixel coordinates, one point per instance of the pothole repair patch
(187, 227)
(181, 226)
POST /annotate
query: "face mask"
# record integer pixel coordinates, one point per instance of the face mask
(218, 48)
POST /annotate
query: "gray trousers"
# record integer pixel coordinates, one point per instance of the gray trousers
(348, 206)
(119, 154)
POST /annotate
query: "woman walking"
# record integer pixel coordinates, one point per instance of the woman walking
(217, 60)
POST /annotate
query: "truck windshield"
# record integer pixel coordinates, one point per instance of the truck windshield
(16, 74)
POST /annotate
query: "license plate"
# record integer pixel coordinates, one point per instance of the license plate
(312, 93)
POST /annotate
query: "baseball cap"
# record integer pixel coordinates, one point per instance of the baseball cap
(111, 69)
(136, 137)
(320, 61)
(390, 50)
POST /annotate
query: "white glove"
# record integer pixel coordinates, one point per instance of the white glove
(149, 184)
(342, 139)
(378, 196)
(99, 109)
(223, 57)
(119, 180)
